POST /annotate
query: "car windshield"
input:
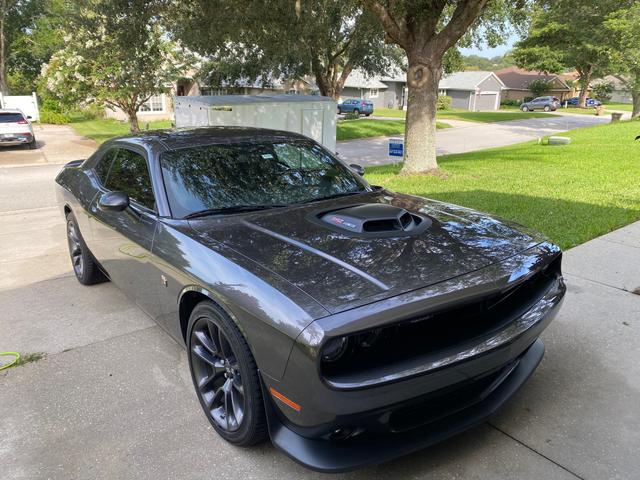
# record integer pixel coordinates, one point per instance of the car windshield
(241, 176)
(11, 117)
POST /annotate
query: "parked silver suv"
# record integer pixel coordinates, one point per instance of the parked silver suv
(547, 104)
(16, 129)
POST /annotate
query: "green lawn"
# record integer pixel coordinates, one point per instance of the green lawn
(351, 129)
(571, 193)
(104, 129)
(457, 114)
(627, 107)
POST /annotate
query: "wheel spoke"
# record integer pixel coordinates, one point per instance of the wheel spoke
(205, 341)
(237, 405)
(206, 356)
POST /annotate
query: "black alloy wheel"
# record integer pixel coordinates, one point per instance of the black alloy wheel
(75, 248)
(225, 376)
(84, 265)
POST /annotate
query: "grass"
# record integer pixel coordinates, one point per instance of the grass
(103, 129)
(571, 193)
(458, 114)
(627, 107)
(351, 129)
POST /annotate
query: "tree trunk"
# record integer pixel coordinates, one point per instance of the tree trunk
(3, 50)
(585, 79)
(132, 116)
(635, 98)
(420, 128)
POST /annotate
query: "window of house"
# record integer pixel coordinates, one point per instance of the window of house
(373, 93)
(129, 174)
(154, 104)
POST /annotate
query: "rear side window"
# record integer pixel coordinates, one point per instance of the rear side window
(11, 118)
(104, 164)
(129, 174)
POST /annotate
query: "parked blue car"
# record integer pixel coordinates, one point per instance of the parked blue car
(591, 102)
(357, 106)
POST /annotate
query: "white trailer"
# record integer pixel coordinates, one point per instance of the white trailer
(28, 104)
(311, 115)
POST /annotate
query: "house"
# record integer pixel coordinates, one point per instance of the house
(395, 96)
(621, 92)
(160, 106)
(359, 85)
(473, 90)
(517, 80)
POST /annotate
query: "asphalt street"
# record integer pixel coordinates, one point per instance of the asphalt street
(112, 397)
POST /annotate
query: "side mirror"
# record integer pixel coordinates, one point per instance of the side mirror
(29, 117)
(113, 202)
(359, 169)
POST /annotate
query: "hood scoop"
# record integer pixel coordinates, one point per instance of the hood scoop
(374, 220)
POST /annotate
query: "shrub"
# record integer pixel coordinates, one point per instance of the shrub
(539, 87)
(527, 99)
(444, 102)
(509, 102)
(47, 116)
(602, 91)
(351, 116)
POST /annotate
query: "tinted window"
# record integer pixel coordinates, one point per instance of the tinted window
(11, 118)
(224, 176)
(129, 174)
(102, 168)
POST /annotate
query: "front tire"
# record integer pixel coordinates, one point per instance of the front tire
(525, 109)
(356, 112)
(225, 376)
(84, 265)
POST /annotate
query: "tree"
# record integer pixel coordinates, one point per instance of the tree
(602, 91)
(568, 34)
(539, 87)
(623, 27)
(16, 17)
(266, 40)
(115, 54)
(426, 30)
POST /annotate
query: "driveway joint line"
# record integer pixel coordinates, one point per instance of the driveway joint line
(559, 465)
(598, 282)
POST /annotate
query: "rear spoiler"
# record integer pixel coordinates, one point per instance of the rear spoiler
(74, 163)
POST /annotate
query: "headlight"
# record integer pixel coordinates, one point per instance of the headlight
(334, 349)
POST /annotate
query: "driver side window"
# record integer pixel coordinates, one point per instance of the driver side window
(129, 174)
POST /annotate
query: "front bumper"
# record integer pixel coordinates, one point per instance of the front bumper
(340, 425)
(339, 456)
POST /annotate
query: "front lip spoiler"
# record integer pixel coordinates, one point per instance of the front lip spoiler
(335, 457)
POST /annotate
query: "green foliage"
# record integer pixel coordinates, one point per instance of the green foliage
(251, 42)
(444, 102)
(55, 118)
(602, 91)
(568, 34)
(508, 102)
(117, 54)
(539, 87)
(571, 194)
(351, 116)
(477, 62)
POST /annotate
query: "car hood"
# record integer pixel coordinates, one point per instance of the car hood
(341, 270)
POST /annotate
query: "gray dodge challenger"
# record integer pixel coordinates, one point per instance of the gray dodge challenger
(348, 323)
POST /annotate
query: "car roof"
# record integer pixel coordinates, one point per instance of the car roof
(172, 139)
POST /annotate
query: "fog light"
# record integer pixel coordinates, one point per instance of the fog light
(334, 349)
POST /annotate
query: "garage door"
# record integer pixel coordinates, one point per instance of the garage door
(486, 101)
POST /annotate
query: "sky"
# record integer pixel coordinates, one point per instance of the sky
(484, 51)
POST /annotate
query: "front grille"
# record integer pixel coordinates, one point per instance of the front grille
(378, 353)
(447, 402)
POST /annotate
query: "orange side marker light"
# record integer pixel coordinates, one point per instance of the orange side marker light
(285, 400)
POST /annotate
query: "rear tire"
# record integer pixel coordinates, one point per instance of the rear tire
(547, 108)
(33, 145)
(225, 376)
(84, 265)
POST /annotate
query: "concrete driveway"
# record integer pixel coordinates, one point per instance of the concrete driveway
(470, 136)
(112, 399)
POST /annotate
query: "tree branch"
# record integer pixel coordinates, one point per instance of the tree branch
(463, 16)
(397, 31)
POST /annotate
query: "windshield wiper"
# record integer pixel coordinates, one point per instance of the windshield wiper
(231, 209)
(336, 195)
